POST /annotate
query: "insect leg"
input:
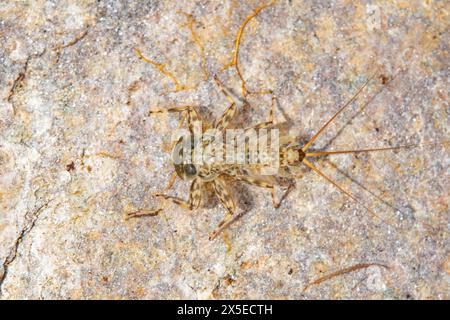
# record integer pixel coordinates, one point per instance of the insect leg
(255, 181)
(272, 110)
(195, 193)
(223, 90)
(176, 200)
(277, 204)
(222, 123)
(264, 184)
(230, 112)
(224, 195)
(172, 180)
(271, 121)
(144, 213)
(168, 149)
(225, 223)
(227, 201)
(154, 212)
(195, 197)
(176, 109)
(192, 114)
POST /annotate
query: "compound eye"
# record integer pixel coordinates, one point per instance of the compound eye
(190, 170)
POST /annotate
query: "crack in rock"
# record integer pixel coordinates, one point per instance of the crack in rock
(18, 81)
(74, 41)
(31, 218)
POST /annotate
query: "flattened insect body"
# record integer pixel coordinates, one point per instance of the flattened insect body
(211, 154)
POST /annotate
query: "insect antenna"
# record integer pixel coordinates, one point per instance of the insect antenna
(323, 153)
(191, 25)
(349, 102)
(234, 62)
(378, 196)
(163, 69)
(347, 193)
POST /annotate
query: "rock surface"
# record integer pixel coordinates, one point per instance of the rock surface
(78, 149)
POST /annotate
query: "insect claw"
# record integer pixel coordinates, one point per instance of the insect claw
(215, 233)
(225, 224)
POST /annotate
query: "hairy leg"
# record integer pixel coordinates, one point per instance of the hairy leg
(195, 197)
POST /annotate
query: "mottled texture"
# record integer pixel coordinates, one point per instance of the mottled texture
(78, 149)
